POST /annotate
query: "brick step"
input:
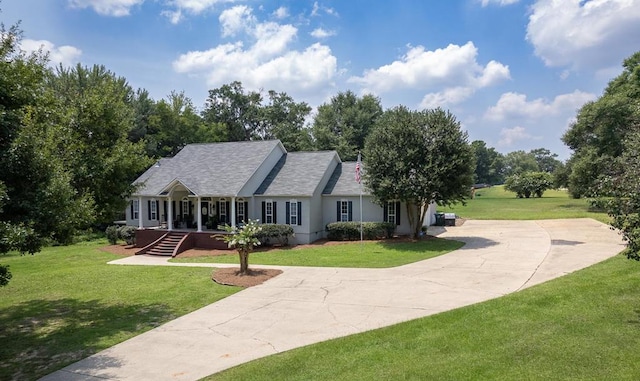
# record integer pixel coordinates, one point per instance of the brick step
(167, 245)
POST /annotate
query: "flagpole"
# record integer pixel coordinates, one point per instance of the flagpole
(359, 180)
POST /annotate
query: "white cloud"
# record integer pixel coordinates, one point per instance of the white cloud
(584, 33)
(317, 8)
(514, 105)
(115, 8)
(236, 19)
(450, 96)
(322, 33)
(65, 55)
(453, 68)
(281, 13)
(264, 60)
(498, 2)
(509, 136)
(193, 7)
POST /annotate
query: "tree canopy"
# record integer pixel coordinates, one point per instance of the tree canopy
(435, 163)
(345, 122)
(601, 128)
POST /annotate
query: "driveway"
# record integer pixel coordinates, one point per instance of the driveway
(306, 305)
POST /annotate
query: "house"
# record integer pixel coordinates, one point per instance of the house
(205, 185)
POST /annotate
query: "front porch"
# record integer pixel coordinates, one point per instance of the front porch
(148, 239)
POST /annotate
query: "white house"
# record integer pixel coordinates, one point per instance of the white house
(208, 184)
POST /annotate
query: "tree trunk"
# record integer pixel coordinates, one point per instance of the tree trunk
(413, 213)
(244, 261)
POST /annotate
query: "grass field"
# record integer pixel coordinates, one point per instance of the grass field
(66, 303)
(584, 326)
(367, 254)
(495, 203)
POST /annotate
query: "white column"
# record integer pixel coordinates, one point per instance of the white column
(199, 211)
(140, 214)
(233, 212)
(169, 214)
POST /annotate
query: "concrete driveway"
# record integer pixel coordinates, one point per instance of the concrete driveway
(307, 305)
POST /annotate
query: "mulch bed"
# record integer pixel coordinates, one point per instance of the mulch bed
(232, 276)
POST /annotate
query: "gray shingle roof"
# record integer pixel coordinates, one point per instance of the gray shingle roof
(343, 181)
(297, 174)
(213, 169)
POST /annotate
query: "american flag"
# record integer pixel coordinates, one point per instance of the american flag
(358, 169)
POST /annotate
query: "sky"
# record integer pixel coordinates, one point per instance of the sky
(513, 72)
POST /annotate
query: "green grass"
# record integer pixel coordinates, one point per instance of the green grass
(66, 303)
(495, 203)
(367, 255)
(584, 326)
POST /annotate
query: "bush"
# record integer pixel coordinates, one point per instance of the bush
(529, 184)
(5, 275)
(112, 234)
(128, 233)
(271, 234)
(350, 231)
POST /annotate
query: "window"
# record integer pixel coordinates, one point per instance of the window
(223, 210)
(185, 207)
(293, 212)
(391, 212)
(241, 211)
(344, 211)
(135, 210)
(153, 210)
(268, 212)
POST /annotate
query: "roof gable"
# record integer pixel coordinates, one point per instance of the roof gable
(297, 174)
(212, 169)
(343, 181)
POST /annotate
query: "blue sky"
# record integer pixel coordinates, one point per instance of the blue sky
(514, 72)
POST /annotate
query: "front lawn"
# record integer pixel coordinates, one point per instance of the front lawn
(495, 203)
(377, 254)
(66, 303)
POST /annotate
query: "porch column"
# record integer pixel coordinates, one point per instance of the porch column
(199, 212)
(233, 212)
(169, 213)
(140, 214)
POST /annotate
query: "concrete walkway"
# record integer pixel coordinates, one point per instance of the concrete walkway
(307, 305)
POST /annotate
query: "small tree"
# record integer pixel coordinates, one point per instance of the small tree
(529, 184)
(243, 240)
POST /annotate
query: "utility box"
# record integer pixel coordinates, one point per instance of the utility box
(449, 219)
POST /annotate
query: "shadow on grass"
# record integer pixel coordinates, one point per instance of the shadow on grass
(41, 336)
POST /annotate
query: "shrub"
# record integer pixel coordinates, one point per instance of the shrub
(5, 275)
(128, 233)
(271, 234)
(350, 231)
(112, 234)
(529, 184)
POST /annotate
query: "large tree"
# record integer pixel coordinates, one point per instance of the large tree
(489, 164)
(517, 162)
(418, 157)
(597, 137)
(344, 123)
(285, 119)
(95, 145)
(39, 199)
(237, 111)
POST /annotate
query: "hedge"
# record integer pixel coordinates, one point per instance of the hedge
(271, 234)
(350, 231)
